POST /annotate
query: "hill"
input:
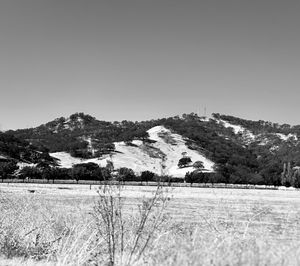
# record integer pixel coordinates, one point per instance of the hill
(160, 155)
(241, 151)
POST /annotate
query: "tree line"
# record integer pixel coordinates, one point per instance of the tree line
(93, 172)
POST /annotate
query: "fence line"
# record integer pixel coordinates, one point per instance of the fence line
(139, 183)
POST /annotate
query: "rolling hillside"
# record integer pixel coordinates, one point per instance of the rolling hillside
(160, 156)
(240, 150)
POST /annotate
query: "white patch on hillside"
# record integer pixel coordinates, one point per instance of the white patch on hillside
(274, 148)
(263, 140)
(66, 124)
(206, 118)
(67, 161)
(174, 150)
(236, 128)
(248, 136)
(72, 124)
(2, 157)
(160, 157)
(287, 137)
(90, 144)
(266, 139)
(21, 165)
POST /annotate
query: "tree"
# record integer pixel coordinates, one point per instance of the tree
(109, 165)
(189, 178)
(103, 148)
(78, 173)
(184, 162)
(297, 178)
(223, 172)
(126, 174)
(43, 165)
(47, 173)
(271, 174)
(97, 174)
(7, 169)
(55, 173)
(30, 172)
(106, 174)
(198, 165)
(147, 176)
(196, 177)
(87, 171)
(89, 166)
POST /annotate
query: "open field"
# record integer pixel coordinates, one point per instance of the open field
(204, 226)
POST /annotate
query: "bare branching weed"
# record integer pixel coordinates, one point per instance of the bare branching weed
(127, 237)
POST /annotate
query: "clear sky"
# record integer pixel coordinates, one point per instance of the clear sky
(143, 59)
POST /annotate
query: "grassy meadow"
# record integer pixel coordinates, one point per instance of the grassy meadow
(74, 225)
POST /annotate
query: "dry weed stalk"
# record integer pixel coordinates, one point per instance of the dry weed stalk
(126, 237)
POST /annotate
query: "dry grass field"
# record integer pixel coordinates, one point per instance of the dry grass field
(61, 225)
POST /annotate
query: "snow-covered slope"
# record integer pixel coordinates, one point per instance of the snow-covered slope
(160, 156)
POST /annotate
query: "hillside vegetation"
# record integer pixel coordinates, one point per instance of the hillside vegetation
(242, 151)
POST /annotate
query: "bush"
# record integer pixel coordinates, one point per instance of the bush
(89, 171)
(198, 165)
(184, 162)
(126, 174)
(7, 169)
(196, 177)
(56, 173)
(176, 180)
(30, 172)
(147, 176)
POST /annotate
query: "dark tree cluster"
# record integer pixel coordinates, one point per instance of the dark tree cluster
(7, 169)
(79, 172)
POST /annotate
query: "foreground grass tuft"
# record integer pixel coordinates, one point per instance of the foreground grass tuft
(106, 236)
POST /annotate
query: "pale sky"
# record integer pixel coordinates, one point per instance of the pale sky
(144, 59)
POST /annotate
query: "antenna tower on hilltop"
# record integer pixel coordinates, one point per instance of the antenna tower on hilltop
(204, 112)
